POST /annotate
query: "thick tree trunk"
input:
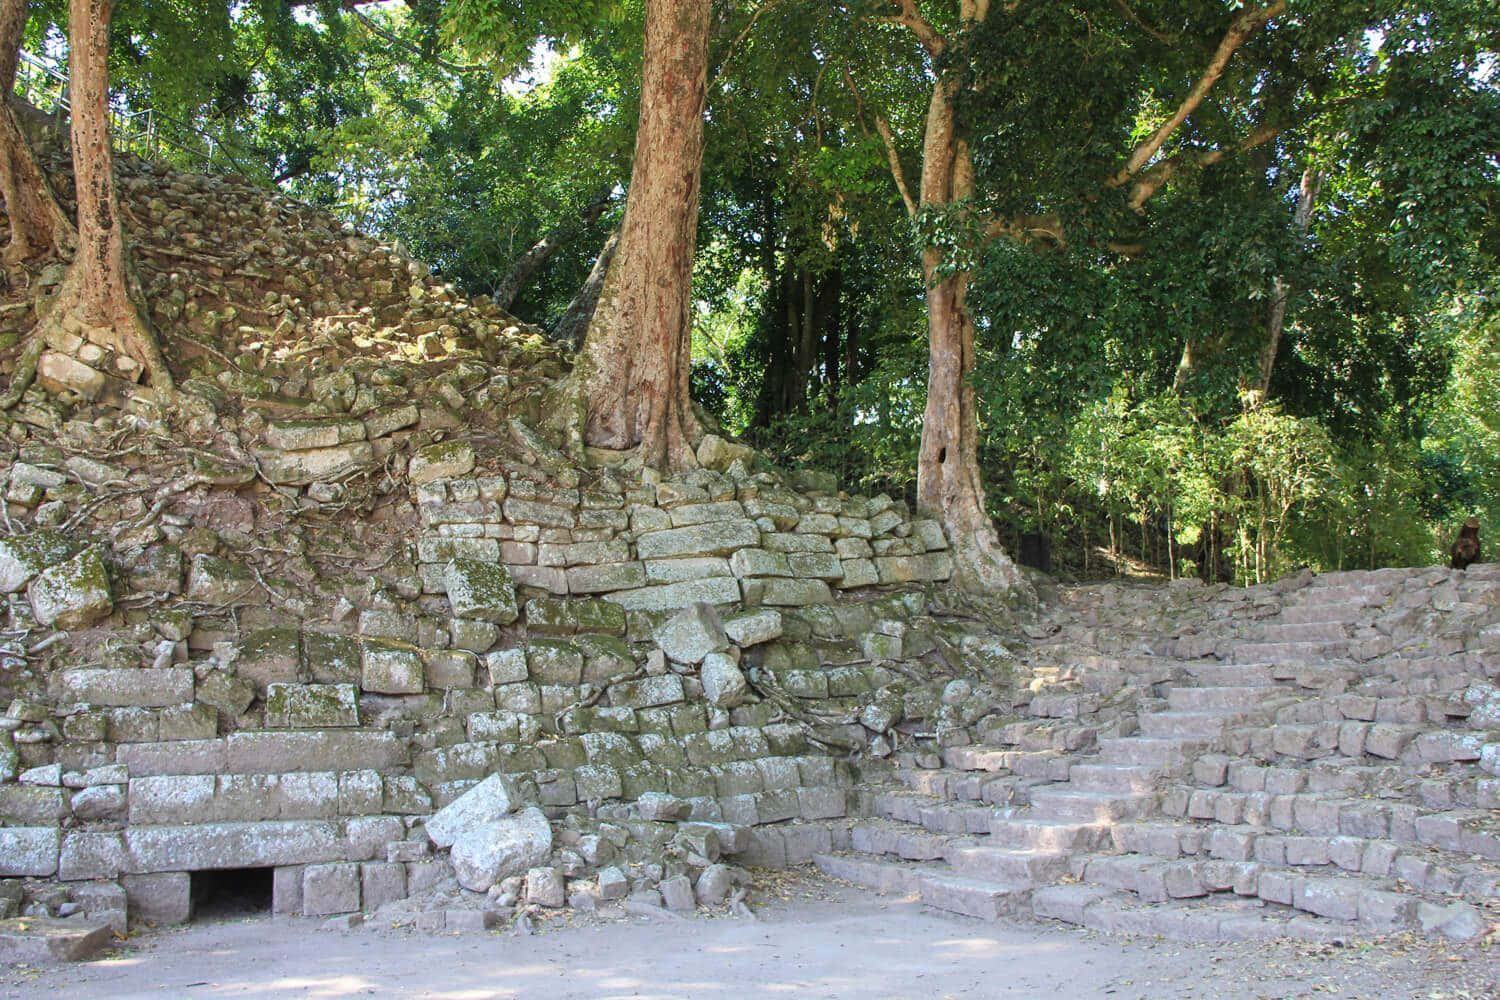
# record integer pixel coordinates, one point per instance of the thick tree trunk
(555, 239)
(99, 300)
(38, 225)
(636, 361)
(949, 486)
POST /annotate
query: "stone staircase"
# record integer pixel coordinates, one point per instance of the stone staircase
(1314, 760)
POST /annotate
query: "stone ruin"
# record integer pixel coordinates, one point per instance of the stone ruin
(339, 619)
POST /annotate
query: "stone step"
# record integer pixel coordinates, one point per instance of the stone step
(978, 758)
(936, 886)
(1232, 674)
(1031, 833)
(1210, 919)
(1206, 727)
(1415, 864)
(1073, 804)
(1287, 653)
(1157, 752)
(1113, 777)
(900, 840)
(1323, 612)
(45, 940)
(890, 877)
(1331, 630)
(1207, 699)
(967, 786)
(1008, 865)
(933, 815)
(973, 897)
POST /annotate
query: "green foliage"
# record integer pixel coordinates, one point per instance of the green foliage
(1119, 340)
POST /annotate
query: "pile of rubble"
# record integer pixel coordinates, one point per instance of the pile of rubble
(341, 613)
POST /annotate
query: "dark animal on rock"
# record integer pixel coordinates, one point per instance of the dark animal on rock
(1466, 549)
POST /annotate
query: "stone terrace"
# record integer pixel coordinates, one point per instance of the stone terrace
(1313, 759)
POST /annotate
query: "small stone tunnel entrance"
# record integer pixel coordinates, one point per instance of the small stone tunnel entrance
(231, 893)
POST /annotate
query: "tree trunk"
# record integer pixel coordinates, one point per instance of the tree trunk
(99, 299)
(38, 225)
(949, 485)
(554, 240)
(636, 361)
(1301, 218)
(575, 321)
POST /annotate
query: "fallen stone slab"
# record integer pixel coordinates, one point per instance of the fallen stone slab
(513, 845)
(40, 940)
(491, 800)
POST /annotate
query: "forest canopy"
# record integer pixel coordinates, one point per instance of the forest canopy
(1184, 288)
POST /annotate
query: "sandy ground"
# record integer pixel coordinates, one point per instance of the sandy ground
(812, 939)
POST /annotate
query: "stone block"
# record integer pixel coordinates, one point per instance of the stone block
(389, 667)
(328, 889)
(724, 684)
(147, 688)
(311, 750)
(450, 668)
(311, 706)
(681, 570)
(715, 539)
(486, 854)
(331, 658)
(545, 887)
(754, 627)
(760, 562)
(231, 845)
(270, 656)
(219, 582)
(29, 851)
(72, 594)
(299, 468)
(691, 634)
(22, 557)
(487, 802)
(606, 577)
(507, 666)
(447, 460)
(648, 692)
(672, 596)
(908, 569)
(781, 592)
(286, 890)
(317, 432)
(554, 661)
(160, 898)
(480, 590)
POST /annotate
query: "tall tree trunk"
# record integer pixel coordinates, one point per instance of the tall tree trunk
(99, 299)
(636, 361)
(949, 486)
(38, 225)
(1276, 321)
(575, 321)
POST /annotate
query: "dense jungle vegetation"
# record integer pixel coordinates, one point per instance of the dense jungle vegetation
(1231, 270)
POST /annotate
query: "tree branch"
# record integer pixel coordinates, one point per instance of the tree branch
(898, 173)
(909, 17)
(1140, 22)
(1151, 181)
(1244, 26)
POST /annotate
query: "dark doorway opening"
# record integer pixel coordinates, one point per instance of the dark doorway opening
(231, 893)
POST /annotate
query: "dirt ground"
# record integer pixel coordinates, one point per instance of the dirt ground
(811, 938)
